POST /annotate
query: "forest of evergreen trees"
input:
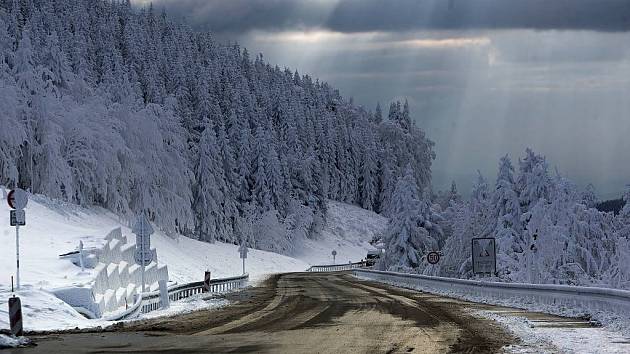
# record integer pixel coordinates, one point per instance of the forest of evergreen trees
(547, 229)
(104, 104)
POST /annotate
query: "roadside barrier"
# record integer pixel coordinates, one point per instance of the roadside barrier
(150, 301)
(336, 267)
(597, 303)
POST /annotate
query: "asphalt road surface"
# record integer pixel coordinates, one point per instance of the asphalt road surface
(302, 313)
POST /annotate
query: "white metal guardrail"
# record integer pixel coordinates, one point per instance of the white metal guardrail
(599, 303)
(336, 267)
(150, 301)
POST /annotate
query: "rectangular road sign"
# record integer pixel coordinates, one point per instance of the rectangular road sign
(18, 217)
(484, 255)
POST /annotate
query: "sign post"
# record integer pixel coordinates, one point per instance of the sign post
(164, 300)
(17, 200)
(206, 281)
(81, 262)
(143, 256)
(334, 254)
(484, 256)
(243, 254)
(533, 250)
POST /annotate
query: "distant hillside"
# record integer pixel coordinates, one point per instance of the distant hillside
(613, 205)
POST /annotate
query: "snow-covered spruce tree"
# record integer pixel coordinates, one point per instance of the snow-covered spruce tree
(412, 231)
(210, 191)
(534, 186)
(368, 174)
(445, 198)
(624, 214)
(589, 196)
(618, 275)
(471, 220)
(456, 262)
(507, 210)
(453, 194)
(533, 181)
(573, 244)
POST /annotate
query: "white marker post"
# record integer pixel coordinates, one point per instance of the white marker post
(243, 253)
(17, 200)
(164, 300)
(81, 256)
(142, 250)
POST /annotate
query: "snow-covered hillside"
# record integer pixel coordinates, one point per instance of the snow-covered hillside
(348, 230)
(54, 228)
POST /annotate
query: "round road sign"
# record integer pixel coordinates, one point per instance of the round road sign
(433, 257)
(17, 199)
(334, 253)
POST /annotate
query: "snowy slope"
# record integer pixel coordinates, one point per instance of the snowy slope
(348, 230)
(54, 228)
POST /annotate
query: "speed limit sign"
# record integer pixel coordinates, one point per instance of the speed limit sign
(433, 257)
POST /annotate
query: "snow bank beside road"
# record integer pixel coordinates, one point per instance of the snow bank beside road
(53, 228)
(545, 337)
(43, 311)
(11, 342)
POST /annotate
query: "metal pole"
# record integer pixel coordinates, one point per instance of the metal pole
(243, 266)
(17, 256)
(81, 256)
(141, 238)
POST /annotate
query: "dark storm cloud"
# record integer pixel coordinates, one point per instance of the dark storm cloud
(239, 16)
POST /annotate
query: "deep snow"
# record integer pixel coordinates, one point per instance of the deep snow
(53, 228)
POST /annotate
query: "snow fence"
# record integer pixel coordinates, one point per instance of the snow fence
(118, 279)
(608, 306)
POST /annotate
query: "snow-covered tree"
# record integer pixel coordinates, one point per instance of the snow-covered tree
(413, 230)
(533, 180)
(210, 189)
(507, 210)
(589, 196)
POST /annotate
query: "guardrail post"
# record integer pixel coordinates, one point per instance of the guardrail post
(164, 294)
(206, 281)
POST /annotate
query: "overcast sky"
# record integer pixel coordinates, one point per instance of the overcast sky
(483, 77)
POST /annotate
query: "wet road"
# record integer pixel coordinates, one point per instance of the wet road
(302, 313)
